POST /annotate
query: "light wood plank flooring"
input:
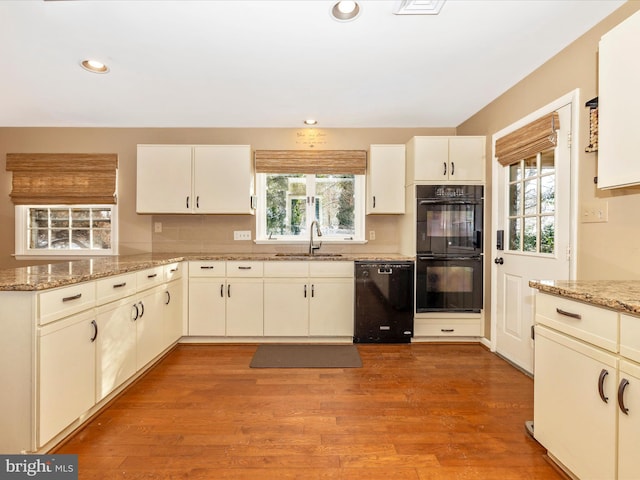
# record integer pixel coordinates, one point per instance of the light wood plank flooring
(419, 412)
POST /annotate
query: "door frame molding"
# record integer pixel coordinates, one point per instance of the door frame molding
(573, 98)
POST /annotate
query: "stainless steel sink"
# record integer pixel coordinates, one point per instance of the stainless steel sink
(310, 255)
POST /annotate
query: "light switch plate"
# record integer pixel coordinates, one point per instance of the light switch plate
(242, 235)
(595, 212)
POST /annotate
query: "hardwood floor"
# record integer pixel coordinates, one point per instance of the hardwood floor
(419, 412)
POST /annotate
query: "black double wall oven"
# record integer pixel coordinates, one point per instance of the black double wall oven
(449, 248)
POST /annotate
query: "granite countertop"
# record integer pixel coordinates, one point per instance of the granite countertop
(42, 277)
(620, 295)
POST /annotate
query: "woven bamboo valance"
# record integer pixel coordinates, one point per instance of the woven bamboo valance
(334, 162)
(537, 136)
(63, 178)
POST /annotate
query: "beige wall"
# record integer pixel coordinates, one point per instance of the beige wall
(189, 233)
(605, 250)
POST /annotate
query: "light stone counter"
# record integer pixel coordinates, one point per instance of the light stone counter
(42, 277)
(620, 295)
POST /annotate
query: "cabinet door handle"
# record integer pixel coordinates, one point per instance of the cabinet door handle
(374, 201)
(137, 314)
(624, 383)
(569, 314)
(603, 375)
(206, 267)
(120, 285)
(198, 201)
(141, 309)
(153, 275)
(187, 201)
(447, 330)
(453, 168)
(73, 297)
(305, 291)
(313, 290)
(95, 330)
(168, 298)
(174, 270)
(445, 168)
(222, 290)
(229, 290)
(244, 268)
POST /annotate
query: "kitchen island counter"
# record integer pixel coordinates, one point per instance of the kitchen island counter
(53, 275)
(619, 295)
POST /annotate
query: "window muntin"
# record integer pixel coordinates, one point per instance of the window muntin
(292, 201)
(65, 230)
(532, 185)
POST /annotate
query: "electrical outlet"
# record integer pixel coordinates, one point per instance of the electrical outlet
(595, 212)
(372, 235)
(242, 235)
(157, 227)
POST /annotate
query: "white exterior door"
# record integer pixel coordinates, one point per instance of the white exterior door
(532, 206)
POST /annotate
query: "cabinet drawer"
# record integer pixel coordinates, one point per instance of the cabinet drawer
(595, 325)
(331, 269)
(286, 269)
(207, 269)
(244, 269)
(149, 278)
(630, 337)
(61, 302)
(114, 288)
(173, 271)
(458, 327)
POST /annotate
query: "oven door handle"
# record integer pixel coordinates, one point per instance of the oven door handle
(438, 201)
(448, 257)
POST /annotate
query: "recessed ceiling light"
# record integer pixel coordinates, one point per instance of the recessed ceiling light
(345, 10)
(94, 66)
(310, 121)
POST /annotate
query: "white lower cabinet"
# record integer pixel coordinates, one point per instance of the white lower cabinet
(271, 299)
(286, 299)
(115, 346)
(244, 307)
(312, 298)
(67, 369)
(225, 298)
(149, 323)
(172, 321)
(587, 388)
(286, 307)
(575, 404)
(331, 307)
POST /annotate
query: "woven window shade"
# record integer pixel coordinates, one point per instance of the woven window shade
(63, 178)
(529, 140)
(335, 162)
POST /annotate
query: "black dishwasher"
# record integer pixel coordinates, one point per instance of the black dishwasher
(384, 302)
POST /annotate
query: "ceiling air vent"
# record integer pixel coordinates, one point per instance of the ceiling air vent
(418, 7)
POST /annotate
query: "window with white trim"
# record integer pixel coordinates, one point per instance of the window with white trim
(289, 202)
(66, 230)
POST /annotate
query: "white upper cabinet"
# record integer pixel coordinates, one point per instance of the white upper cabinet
(618, 104)
(194, 179)
(385, 179)
(445, 159)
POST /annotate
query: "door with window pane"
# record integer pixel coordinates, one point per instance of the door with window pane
(533, 198)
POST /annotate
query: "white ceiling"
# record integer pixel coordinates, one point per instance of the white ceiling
(269, 63)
